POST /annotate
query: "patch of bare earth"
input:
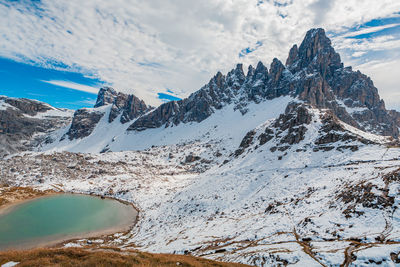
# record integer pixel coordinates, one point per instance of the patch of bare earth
(104, 257)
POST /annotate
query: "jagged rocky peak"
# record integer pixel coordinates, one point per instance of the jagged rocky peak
(255, 84)
(250, 71)
(127, 105)
(235, 78)
(322, 81)
(276, 69)
(256, 73)
(261, 71)
(315, 53)
(134, 107)
(105, 96)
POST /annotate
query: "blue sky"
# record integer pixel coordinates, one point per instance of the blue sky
(63, 89)
(61, 52)
(23, 80)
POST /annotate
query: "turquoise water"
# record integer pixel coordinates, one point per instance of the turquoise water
(60, 216)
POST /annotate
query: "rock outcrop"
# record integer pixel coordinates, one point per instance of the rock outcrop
(290, 128)
(322, 81)
(83, 123)
(129, 106)
(25, 123)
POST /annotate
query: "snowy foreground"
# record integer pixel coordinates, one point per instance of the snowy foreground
(209, 192)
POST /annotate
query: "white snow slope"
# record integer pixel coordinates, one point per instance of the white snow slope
(301, 205)
(226, 124)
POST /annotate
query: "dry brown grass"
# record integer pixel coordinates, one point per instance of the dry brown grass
(109, 257)
(9, 195)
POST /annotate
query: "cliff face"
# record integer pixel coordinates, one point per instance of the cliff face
(128, 107)
(322, 81)
(25, 123)
(83, 123)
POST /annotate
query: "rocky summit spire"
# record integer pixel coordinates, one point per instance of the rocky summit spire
(105, 96)
(315, 53)
(292, 55)
(236, 77)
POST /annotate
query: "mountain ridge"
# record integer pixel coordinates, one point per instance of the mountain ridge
(313, 73)
(330, 86)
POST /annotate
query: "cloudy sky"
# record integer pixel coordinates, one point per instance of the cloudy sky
(158, 48)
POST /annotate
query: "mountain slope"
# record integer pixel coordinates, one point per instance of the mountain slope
(296, 185)
(297, 164)
(25, 123)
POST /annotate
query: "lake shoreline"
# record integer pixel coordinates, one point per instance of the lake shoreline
(64, 239)
(8, 207)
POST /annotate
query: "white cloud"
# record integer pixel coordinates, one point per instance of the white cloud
(74, 86)
(143, 47)
(370, 30)
(383, 74)
(380, 43)
(358, 53)
(321, 8)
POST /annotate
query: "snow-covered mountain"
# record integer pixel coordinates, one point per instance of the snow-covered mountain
(302, 188)
(25, 123)
(313, 74)
(295, 164)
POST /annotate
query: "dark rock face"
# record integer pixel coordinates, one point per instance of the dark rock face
(395, 115)
(20, 130)
(293, 120)
(133, 108)
(105, 96)
(332, 131)
(83, 123)
(293, 55)
(313, 73)
(130, 106)
(27, 106)
(246, 142)
(198, 106)
(291, 128)
(325, 83)
(118, 105)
